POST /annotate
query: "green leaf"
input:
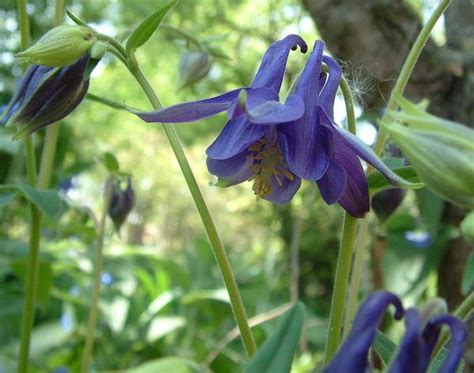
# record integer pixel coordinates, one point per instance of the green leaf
(166, 365)
(384, 347)
(378, 182)
(438, 360)
(48, 201)
(468, 277)
(110, 163)
(145, 29)
(6, 196)
(276, 354)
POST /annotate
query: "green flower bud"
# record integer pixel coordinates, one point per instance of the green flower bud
(467, 227)
(59, 47)
(193, 67)
(441, 151)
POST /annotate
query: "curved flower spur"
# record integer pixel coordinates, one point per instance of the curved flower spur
(276, 145)
(422, 331)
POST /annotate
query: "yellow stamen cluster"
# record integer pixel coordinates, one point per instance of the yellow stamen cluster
(267, 162)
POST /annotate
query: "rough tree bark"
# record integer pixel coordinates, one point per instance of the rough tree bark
(375, 36)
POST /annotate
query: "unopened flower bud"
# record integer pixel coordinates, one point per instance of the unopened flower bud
(61, 46)
(441, 151)
(121, 203)
(46, 95)
(193, 67)
(385, 203)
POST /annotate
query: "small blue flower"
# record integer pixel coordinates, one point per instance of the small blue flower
(46, 95)
(416, 348)
(106, 278)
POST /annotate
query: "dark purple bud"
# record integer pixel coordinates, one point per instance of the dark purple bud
(352, 355)
(385, 203)
(193, 67)
(46, 95)
(121, 203)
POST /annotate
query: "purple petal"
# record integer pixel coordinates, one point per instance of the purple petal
(305, 147)
(283, 189)
(262, 108)
(332, 184)
(352, 355)
(237, 135)
(328, 93)
(303, 143)
(355, 199)
(458, 341)
(271, 71)
(191, 111)
(410, 357)
(364, 151)
(224, 168)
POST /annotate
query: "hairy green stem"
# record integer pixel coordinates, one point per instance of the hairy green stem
(52, 132)
(32, 265)
(409, 65)
(343, 268)
(98, 266)
(344, 259)
(360, 256)
(219, 251)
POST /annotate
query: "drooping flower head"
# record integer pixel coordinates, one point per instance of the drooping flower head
(415, 350)
(121, 203)
(277, 145)
(46, 95)
(248, 147)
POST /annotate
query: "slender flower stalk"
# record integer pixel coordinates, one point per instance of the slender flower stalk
(32, 265)
(219, 251)
(98, 265)
(343, 266)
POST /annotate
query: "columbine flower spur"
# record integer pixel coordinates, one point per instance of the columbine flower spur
(419, 341)
(277, 145)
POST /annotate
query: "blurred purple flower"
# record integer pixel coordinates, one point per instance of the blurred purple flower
(46, 95)
(419, 239)
(415, 350)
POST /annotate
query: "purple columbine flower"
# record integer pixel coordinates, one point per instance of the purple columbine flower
(46, 95)
(276, 145)
(248, 147)
(415, 350)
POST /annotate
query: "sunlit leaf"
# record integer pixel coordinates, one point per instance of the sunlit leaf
(145, 29)
(110, 162)
(276, 354)
(48, 201)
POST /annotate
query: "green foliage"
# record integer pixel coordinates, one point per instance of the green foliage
(147, 27)
(276, 355)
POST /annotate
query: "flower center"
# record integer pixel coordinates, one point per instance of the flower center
(267, 162)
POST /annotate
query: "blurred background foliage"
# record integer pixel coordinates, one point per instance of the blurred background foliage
(162, 294)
